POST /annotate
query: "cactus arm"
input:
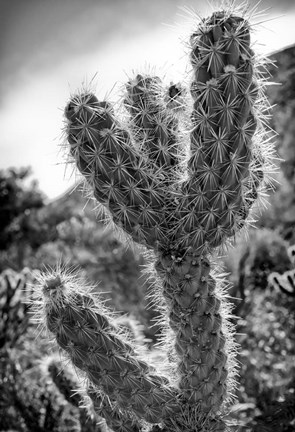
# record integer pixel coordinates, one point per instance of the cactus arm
(85, 333)
(154, 127)
(105, 156)
(224, 89)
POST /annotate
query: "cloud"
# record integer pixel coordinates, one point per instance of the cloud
(39, 34)
(49, 47)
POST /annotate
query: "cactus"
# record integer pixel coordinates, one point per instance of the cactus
(182, 195)
(285, 282)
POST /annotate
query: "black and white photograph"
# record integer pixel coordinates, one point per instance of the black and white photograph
(147, 216)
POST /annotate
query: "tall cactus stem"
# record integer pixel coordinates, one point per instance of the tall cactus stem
(201, 329)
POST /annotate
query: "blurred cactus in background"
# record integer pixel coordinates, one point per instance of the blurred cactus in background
(250, 263)
(181, 194)
(14, 312)
(286, 281)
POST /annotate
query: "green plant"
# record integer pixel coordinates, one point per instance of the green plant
(182, 196)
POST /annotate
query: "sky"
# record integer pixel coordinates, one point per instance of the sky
(51, 48)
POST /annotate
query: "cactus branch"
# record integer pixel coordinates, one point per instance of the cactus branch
(85, 333)
(153, 126)
(104, 154)
(224, 90)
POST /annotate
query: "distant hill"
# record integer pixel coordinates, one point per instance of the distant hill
(282, 97)
(74, 198)
(283, 73)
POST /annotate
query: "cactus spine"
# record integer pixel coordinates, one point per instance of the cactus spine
(182, 208)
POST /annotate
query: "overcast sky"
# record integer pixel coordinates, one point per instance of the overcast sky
(48, 48)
